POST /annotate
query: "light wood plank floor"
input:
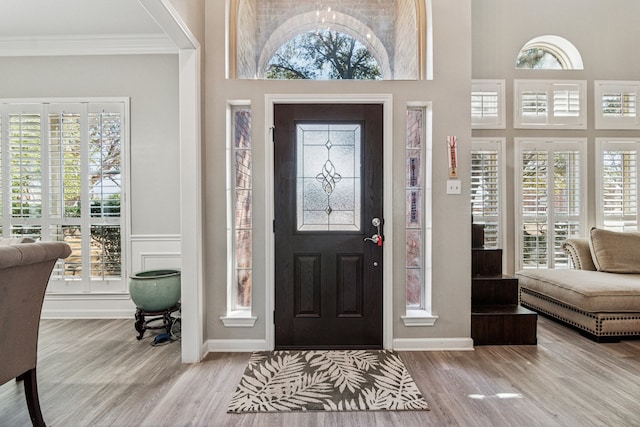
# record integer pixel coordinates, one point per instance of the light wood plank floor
(95, 373)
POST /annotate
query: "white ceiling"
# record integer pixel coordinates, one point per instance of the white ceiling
(38, 18)
(80, 27)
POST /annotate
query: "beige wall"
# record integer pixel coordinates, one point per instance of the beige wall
(606, 34)
(449, 93)
(192, 13)
(151, 83)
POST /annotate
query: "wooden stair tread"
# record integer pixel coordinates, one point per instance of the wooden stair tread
(501, 310)
(493, 277)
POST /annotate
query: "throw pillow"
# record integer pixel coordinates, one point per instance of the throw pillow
(615, 252)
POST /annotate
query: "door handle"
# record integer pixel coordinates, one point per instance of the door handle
(376, 238)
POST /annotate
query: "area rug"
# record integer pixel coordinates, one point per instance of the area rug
(323, 380)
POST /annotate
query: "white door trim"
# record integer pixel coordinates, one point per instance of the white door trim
(387, 286)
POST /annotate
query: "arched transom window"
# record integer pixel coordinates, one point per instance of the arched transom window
(327, 39)
(549, 52)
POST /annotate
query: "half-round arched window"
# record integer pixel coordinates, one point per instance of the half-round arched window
(321, 39)
(549, 52)
(323, 55)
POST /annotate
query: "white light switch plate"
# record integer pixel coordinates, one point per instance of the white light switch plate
(454, 186)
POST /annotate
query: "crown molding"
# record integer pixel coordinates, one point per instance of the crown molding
(117, 44)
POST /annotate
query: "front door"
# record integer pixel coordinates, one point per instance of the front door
(328, 191)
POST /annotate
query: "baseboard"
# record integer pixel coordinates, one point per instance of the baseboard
(231, 345)
(433, 344)
(399, 344)
(88, 307)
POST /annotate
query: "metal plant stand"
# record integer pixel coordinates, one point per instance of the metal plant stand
(149, 320)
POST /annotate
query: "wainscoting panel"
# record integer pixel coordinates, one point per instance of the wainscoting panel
(155, 252)
(146, 252)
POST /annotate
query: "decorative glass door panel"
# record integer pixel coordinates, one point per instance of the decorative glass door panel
(328, 177)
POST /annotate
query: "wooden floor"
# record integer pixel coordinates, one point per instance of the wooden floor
(95, 373)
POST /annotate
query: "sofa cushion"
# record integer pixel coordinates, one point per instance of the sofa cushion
(615, 252)
(580, 253)
(591, 291)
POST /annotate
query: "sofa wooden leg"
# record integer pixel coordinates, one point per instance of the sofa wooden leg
(31, 394)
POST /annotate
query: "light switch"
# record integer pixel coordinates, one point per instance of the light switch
(454, 186)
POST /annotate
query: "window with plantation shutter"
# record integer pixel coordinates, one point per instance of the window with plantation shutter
(550, 206)
(617, 184)
(616, 104)
(487, 172)
(62, 180)
(550, 104)
(487, 104)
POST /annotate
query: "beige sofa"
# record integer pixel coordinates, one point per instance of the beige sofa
(600, 296)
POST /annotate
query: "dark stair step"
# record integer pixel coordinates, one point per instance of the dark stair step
(494, 290)
(486, 262)
(503, 325)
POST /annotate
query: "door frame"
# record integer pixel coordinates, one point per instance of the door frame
(386, 100)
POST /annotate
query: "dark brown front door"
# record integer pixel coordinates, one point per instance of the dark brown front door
(328, 189)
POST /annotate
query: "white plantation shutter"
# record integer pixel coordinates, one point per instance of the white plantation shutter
(566, 101)
(548, 103)
(616, 104)
(486, 189)
(551, 206)
(534, 106)
(24, 174)
(487, 104)
(617, 189)
(484, 105)
(62, 181)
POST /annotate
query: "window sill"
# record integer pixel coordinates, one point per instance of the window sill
(238, 319)
(419, 318)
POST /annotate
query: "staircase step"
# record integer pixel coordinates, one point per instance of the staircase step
(494, 290)
(486, 262)
(503, 325)
(477, 235)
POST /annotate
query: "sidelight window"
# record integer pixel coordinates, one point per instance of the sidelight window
(240, 203)
(418, 218)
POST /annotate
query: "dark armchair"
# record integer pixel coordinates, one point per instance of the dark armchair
(25, 270)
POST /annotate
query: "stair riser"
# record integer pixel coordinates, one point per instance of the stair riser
(507, 329)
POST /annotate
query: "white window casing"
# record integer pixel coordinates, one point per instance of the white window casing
(239, 195)
(418, 214)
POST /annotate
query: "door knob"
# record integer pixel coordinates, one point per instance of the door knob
(376, 238)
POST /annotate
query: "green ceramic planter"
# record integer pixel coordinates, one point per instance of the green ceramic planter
(155, 290)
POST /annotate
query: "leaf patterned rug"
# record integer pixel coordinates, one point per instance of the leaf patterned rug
(326, 380)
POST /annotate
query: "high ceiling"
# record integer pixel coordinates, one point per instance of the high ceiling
(41, 18)
(81, 27)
